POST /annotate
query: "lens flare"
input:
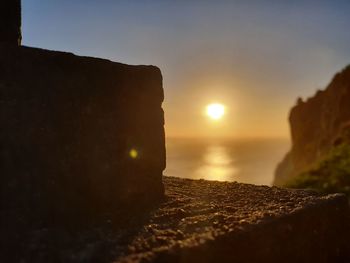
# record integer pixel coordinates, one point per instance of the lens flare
(133, 153)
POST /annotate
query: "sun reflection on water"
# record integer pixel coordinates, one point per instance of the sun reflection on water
(217, 165)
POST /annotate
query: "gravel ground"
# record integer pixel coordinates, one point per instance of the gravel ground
(198, 210)
(193, 212)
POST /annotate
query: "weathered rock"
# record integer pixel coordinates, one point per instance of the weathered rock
(316, 126)
(10, 22)
(202, 221)
(78, 134)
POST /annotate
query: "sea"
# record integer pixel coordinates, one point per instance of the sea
(250, 161)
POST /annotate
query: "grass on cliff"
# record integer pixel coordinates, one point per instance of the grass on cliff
(330, 175)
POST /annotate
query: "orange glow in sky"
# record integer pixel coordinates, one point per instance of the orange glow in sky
(254, 57)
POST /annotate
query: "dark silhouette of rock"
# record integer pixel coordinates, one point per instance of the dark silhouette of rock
(78, 135)
(10, 22)
(316, 126)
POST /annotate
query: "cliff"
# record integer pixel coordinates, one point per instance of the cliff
(317, 125)
(78, 135)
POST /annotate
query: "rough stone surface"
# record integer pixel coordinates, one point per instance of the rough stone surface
(202, 221)
(316, 126)
(10, 22)
(68, 124)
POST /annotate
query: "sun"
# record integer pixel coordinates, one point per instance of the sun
(215, 111)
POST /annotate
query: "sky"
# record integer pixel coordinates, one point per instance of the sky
(256, 57)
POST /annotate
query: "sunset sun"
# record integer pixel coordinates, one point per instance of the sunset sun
(215, 111)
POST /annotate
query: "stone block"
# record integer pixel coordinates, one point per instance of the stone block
(10, 22)
(77, 133)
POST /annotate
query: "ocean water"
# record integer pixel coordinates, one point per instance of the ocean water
(248, 161)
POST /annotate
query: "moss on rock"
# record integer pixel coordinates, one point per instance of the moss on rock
(330, 175)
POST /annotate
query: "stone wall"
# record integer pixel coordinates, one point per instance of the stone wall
(78, 134)
(10, 22)
(200, 221)
(316, 126)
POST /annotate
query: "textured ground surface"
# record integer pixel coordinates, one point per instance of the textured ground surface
(200, 221)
